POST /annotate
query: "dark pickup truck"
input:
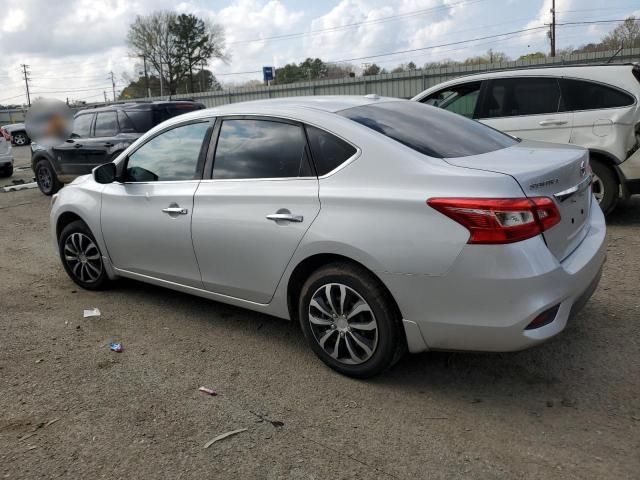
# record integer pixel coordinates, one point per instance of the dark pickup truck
(98, 136)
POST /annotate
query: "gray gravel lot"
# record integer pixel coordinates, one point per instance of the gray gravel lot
(567, 409)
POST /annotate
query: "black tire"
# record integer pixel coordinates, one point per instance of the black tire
(46, 178)
(389, 344)
(6, 171)
(20, 139)
(77, 234)
(608, 183)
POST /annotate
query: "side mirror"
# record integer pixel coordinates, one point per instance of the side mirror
(105, 173)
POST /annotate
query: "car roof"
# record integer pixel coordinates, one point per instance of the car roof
(610, 73)
(137, 106)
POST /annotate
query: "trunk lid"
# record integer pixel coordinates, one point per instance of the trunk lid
(5, 147)
(560, 172)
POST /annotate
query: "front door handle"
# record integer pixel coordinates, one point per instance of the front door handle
(175, 210)
(77, 145)
(108, 144)
(546, 123)
(285, 217)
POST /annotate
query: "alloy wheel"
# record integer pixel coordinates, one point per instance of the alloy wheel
(83, 257)
(343, 324)
(44, 178)
(20, 139)
(597, 187)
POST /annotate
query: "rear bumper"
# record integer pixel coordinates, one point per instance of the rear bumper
(493, 292)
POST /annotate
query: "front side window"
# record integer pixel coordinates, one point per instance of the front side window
(82, 125)
(260, 149)
(173, 155)
(428, 130)
(328, 151)
(460, 99)
(583, 95)
(509, 97)
(106, 125)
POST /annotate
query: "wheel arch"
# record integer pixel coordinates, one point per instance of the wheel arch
(612, 162)
(310, 264)
(65, 219)
(42, 155)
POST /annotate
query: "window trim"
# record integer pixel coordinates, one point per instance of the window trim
(122, 165)
(621, 90)
(487, 85)
(213, 146)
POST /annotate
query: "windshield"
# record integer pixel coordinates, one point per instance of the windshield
(429, 130)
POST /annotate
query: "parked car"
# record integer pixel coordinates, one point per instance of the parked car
(6, 158)
(18, 134)
(379, 224)
(595, 106)
(98, 136)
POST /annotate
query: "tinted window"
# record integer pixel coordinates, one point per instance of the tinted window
(106, 125)
(460, 99)
(582, 95)
(431, 131)
(260, 149)
(165, 112)
(172, 155)
(126, 125)
(328, 151)
(508, 97)
(82, 125)
(141, 119)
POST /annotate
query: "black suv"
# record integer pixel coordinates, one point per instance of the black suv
(99, 136)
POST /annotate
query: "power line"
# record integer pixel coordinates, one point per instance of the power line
(357, 24)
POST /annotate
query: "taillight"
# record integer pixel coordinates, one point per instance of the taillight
(499, 220)
(5, 134)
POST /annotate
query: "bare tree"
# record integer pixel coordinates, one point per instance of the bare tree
(627, 34)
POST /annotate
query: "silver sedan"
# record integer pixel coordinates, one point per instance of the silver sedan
(381, 225)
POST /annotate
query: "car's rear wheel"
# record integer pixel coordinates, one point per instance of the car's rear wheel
(20, 139)
(349, 320)
(81, 256)
(6, 171)
(605, 185)
(46, 178)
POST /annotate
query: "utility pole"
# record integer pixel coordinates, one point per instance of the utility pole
(201, 75)
(552, 33)
(26, 81)
(161, 82)
(105, 96)
(146, 77)
(113, 86)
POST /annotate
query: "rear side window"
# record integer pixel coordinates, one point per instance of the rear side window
(141, 120)
(327, 150)
(106, 125)
(165, 112)
(82, 125)
(509, 97)
(428, 130)
(584, 95)
(260, 149)
(126, 125)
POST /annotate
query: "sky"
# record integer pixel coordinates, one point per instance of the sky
(72, 46)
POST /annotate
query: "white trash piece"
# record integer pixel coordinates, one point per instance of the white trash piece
(94, 312)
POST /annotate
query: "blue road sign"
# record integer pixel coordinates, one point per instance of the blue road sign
(267, 73)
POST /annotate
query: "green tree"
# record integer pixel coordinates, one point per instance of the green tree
(372, 69)
(533, 56)
(310, 69)
(195, 44)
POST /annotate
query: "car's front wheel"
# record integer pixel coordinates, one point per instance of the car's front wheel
(46, 178)
(81, 256)
(349, 320)
(605, 185)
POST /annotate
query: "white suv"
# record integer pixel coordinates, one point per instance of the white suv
(594, 106)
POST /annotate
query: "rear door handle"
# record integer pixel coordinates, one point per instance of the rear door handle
(77, 145)
(285, 217)
(108, 144)
(178, 210)
(546, 123)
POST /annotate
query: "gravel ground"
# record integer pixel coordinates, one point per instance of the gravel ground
(71, 408)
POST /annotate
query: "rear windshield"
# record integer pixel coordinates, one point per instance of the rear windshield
(429, 130)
